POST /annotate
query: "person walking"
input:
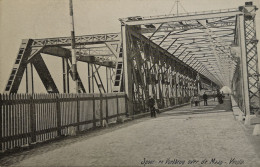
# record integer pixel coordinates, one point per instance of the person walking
(205, 98)
(151, 103)
(192, 100)
(220, 97)
(197, 100)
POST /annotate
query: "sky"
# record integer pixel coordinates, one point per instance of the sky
(23, 19)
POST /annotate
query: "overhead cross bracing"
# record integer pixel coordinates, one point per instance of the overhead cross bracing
(214, 44)
(202, 40)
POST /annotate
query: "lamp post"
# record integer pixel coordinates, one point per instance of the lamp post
(73, 52)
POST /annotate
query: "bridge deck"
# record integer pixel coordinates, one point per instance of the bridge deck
(185, 133)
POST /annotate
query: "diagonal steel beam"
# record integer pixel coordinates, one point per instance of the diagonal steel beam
(171, 44)
(176, 49)
(115, 53)
(186, 56)
(156, 31)
(188, 59)
(182, 52)
(164, 38)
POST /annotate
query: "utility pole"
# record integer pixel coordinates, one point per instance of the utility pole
(73, 53)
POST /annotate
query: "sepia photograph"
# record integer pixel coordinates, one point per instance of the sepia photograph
(130, 83)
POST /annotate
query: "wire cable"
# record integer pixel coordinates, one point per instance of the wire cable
(173, 7)
(183, 8)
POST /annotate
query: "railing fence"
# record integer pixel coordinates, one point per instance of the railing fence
(26, 119)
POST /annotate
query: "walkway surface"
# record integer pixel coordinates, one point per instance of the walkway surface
(198, 136)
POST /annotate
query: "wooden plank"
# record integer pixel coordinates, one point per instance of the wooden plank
(39, 117)
(48, 118)
(27, 111)
(54, 117)
(4, 121)
(78, 111)
(22, 119)
(70, 110)
(117, 106)
(9, 121)
(13, 119)
(126, 105)
(32, 120)
(19, 125)
(81, 113)
(65, 110)
(101, 109)
(94, 113)
(44, 116)
(1, 123)
(37, 120)
(58, 110)
(106, 109)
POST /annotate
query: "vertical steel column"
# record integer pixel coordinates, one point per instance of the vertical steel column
(90, 78)
(65, 75)
(128, 81)
(251, 55)
(244, 64)
(108, 79)
(176, 87)
(198, 85)
(29, 78)
(110, 75)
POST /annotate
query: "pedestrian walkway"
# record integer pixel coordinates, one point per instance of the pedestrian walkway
(197, 136)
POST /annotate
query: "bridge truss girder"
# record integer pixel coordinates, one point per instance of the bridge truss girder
(246, 78)
(95, 50)
(198, 35)
(204, 41)
(152, 71)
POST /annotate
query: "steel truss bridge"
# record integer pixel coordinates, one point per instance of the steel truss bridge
(170, 56)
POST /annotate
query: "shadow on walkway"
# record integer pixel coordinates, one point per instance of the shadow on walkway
(212, 107)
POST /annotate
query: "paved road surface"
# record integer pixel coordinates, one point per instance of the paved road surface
(207, 133)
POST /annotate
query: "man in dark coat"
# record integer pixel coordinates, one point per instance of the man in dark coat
(220, 98)
(151, 103)
(205, 98)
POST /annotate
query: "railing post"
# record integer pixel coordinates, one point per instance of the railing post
(101, 109)
(117, 107)
(126, 104)
(94, 112)
(58, 115)
(106, 109)
(32, 119)
(78, 109)
(1, 123)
